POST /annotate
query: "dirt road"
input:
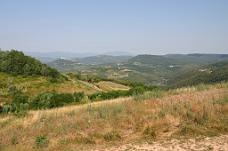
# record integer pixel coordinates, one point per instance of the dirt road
(219, 143)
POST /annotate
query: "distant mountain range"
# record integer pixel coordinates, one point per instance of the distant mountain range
(46, 57)
(151, 69)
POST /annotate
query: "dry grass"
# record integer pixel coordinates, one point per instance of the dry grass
(108, 86)
(119, 121)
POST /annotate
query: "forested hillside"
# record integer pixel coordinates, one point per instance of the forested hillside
(212, 73)
(15, 62)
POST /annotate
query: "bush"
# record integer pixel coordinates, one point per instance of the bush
(41, 141)
(53, 80)
(53, 99)
(62, 99)
(41, 101)
(20, 99)
(108, 95)
(14, 140)
(18, 105)
(137, 90)
(6, 108)
(78, 97)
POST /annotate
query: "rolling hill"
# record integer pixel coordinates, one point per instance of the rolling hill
(30, 77)
(31, 117)
(212, 73)
(149, 69)
(15, 62)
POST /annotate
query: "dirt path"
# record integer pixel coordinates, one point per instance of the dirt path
(219, 143)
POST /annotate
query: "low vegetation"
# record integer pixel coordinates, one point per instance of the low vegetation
(21, 102)
(191, 112)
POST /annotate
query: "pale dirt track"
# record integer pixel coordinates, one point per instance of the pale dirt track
(219, 143)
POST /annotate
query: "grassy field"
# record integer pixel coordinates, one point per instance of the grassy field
(186, 112)
(108, 85)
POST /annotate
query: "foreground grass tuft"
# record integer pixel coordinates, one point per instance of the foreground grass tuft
(41, 141)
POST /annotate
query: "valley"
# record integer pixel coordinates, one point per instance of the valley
(145, 102)
(114, 75)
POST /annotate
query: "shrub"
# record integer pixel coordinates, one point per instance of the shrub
(41, 101)
(108, 95)
(14, 140)
(137, 90)
(78, 96)
(18, 105)
(41, 141)
(62, 99)
(20, 99)
(53, 80)
(51, 100)
(6, 108)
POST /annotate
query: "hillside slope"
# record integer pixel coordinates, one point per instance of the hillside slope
(101, 125)
(212, 73)
(148, 69)
(21, 74)
(15, 62)
(34, 85)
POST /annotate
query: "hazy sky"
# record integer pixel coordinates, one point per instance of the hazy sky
(143, 26)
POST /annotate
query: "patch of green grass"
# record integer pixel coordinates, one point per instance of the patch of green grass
(14, 140)
(41, 141)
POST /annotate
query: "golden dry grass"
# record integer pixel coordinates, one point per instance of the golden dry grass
(108, 86)
(119, 121)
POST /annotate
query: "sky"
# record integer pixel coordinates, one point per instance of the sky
(101, 26)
